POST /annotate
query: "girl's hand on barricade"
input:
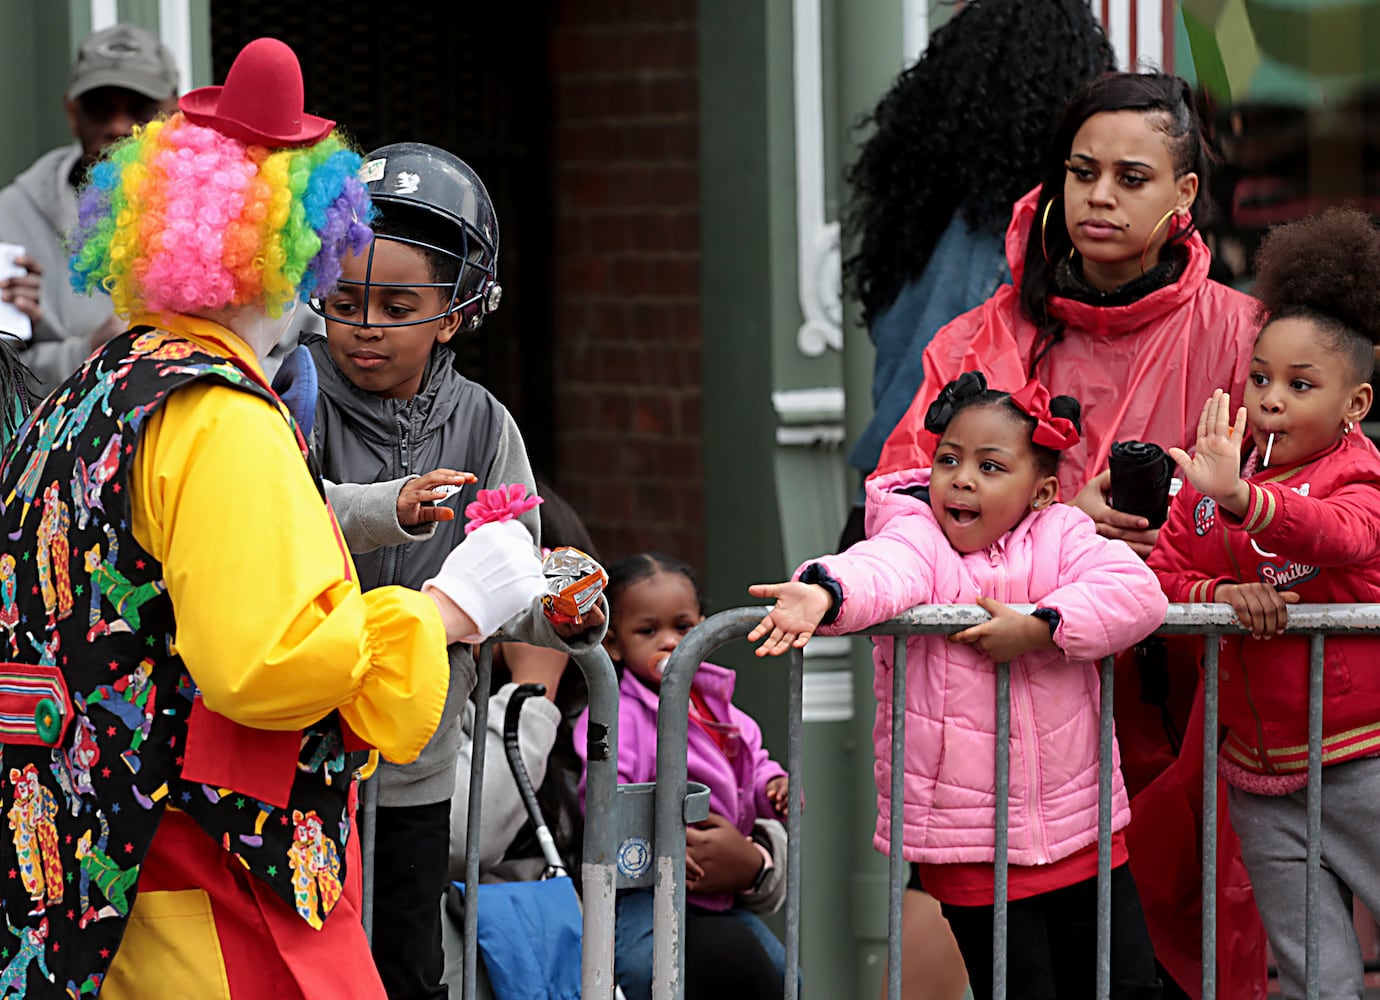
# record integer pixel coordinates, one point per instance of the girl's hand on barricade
(798, 610)
(418, 500)
(1215, 466)
(1007, 634)
(1132, 529)
(726, 861)
(778, 794)
(1257, 606)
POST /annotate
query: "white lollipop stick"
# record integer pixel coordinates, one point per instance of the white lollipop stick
(1268, 445)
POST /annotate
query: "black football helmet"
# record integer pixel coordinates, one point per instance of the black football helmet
(440, 188)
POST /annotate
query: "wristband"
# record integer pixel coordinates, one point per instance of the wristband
(1049, 616)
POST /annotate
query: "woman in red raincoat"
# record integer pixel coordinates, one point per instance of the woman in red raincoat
(1111, 303)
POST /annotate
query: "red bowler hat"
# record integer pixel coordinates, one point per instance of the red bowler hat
(261, 102)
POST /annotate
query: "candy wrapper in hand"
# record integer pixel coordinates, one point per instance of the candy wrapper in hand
(1141, 475)
(574, 582)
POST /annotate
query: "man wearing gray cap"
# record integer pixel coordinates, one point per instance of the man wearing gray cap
(123, 76)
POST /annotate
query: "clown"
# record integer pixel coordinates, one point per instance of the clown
(206, 228)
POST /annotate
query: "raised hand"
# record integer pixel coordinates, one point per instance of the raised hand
(1007, 634)
(1215, 467)
(418, 499)
(790, 623)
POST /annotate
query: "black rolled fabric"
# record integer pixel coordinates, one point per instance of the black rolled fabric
(1141, 473)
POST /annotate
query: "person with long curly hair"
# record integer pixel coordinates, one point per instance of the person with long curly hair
(203, 837)
(955, 141)
(1112, 302)
(1280, 506)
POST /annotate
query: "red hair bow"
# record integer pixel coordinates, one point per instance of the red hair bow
(1050, 431)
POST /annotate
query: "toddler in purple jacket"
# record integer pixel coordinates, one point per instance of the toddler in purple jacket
(653, 603)
(984, 526)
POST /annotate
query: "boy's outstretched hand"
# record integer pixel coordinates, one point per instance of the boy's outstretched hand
(417, 500)
(778, 794)
(790, 623)
(1007, 634)
(1215, 468)
(1258, 606)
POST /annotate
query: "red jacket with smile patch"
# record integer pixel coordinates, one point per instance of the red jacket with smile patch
(1312, 527)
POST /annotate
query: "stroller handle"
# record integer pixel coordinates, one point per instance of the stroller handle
(513, 750)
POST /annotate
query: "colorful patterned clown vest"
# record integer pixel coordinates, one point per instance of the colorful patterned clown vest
(101, 724)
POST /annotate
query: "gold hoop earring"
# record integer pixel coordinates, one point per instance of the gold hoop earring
(1151, 239)
(1044, 221)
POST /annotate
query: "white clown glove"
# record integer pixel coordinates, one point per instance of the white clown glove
(492, 575)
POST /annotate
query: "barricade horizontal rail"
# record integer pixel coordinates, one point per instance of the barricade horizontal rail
(1208, 620)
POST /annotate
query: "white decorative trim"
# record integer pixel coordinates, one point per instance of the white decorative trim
(821, 403)
(104, 13)
(1118, 28)
(819, 268)
(1150, 36)
(810, 434)
(915, 29)
(809, 417)
(1147, 17)
(827, 696)
(175, 29)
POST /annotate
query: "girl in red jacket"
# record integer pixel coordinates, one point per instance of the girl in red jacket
(1282, 505)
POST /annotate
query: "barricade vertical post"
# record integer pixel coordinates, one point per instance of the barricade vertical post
(795, 745)
(469, 982)
(1211, 647)
(896, 863)
(668, 901)
(599, 865)
(1313, 886)
(1003, 790)
(1105, 763)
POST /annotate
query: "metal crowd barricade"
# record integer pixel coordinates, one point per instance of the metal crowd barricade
(1209, 620)
(606, 825)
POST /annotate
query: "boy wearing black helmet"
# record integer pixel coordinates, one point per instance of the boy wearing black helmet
(391, 405)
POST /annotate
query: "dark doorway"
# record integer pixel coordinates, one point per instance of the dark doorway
(471, 78)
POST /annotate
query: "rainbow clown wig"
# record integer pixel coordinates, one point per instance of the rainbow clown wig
(181, 218)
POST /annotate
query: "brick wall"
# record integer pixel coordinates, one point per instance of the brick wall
(625, 167)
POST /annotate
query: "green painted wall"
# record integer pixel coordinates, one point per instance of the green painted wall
(40, 39)
(33, 71)
(769, 505)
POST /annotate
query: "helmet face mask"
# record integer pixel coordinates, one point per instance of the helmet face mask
(444, 213)
(470, 293)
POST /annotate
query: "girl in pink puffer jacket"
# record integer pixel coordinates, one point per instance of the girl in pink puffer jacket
(984, 525)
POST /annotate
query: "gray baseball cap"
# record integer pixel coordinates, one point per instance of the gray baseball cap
(125, 56)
